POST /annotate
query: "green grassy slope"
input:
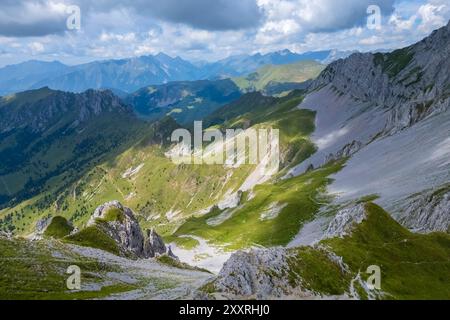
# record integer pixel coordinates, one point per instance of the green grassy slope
(58, 228)
(267, 76)
(163, 194)
(299, 199)
(51, 137)
(34, 270)
(94, 237)
(244, 226)
(413, 266)
(52, 162)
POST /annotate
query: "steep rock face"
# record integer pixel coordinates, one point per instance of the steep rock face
(390, 114)
(429, 212)
(412, 83)
(154, 245)
(120, 223)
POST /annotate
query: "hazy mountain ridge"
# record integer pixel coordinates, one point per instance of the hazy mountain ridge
(23, 76)
(129, 75)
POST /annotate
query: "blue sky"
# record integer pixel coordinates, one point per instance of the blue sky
(207, 29)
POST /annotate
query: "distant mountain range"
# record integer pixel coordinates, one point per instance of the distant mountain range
(129, 75)
(186, 101)
(236, 66)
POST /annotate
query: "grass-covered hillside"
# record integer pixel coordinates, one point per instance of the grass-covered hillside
(38, 271)
(412, 266)
(270, 215)
(267, 77)
(164, 194)
(49, 139)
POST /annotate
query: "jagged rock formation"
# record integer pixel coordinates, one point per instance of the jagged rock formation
(349, 150)
(428, 212)
(120, 223)
(154, 245)
(370, 96)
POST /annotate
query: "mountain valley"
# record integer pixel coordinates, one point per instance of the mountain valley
(86, 179)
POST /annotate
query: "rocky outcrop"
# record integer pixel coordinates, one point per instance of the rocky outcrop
(120, 223)
(349, 150)
(256, 273)
(41, 226)
(155, 246)
(276, 273)
(344, 221)
(5, 235)
(429, 212)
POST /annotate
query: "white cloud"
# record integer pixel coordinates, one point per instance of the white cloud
(432, 16)
(36, 48)
(323, 15)
(113, 29)
(402, 24)
(373, 40)
(127, 37)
